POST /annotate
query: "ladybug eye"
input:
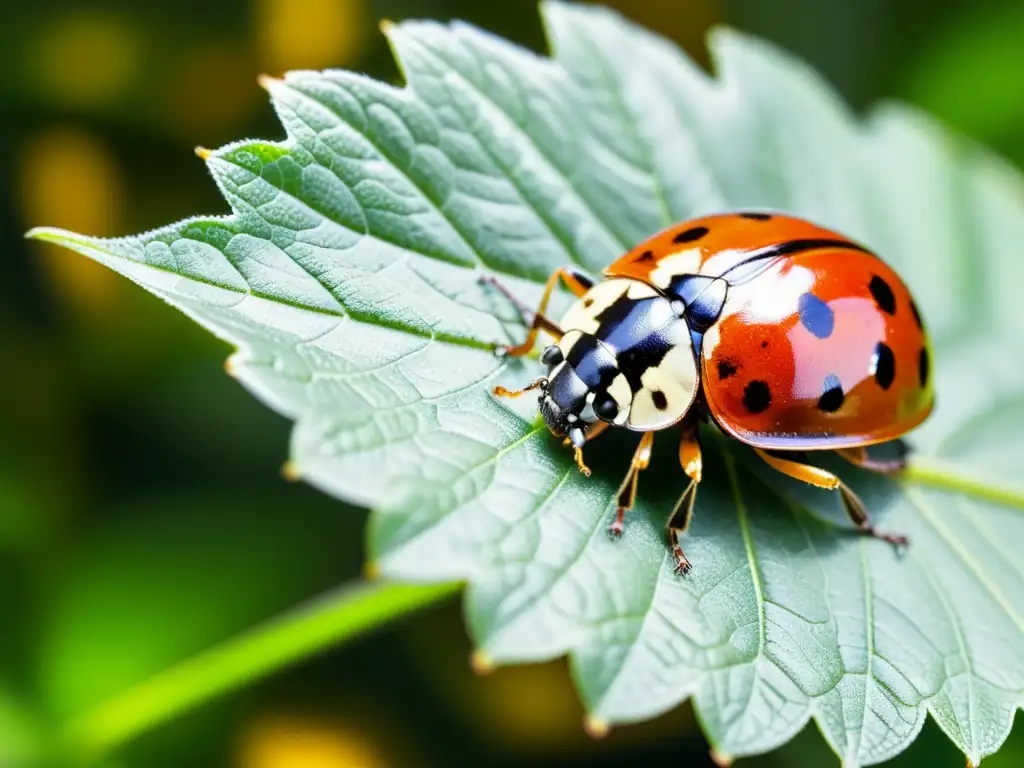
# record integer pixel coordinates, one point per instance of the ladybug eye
(551, 356)
(605, 407)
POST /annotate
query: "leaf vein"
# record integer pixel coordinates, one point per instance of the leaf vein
(438, 206)
(627, 119)
(570, 190)
(980, 573)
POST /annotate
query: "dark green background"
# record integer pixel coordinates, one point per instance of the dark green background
(142, 511)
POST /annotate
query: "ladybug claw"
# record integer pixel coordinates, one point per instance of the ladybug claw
(578, 456)
(616, 527)
(683, 565)
(898, 541)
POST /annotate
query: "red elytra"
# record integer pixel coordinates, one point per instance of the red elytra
(788, 336)
(819, 312)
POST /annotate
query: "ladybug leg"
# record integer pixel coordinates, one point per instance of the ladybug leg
(859, 457)
(690, 458)
(822, 478)
(627, 491)
(575, 281)
(591, 432)
(859, 515)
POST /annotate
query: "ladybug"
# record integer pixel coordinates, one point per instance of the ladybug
(787, 336)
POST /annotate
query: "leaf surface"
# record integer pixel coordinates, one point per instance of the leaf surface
(347, 277)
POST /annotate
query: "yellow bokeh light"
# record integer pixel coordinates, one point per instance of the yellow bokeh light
(310, 34)
(536, 707)
(686, 23)
(534, 702)
(284, 742)
(85, 58)
(67, 177)
(211, 91)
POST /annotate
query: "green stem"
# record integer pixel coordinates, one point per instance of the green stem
(332, 619)
(938, 474)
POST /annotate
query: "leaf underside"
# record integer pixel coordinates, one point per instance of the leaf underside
(347, 277)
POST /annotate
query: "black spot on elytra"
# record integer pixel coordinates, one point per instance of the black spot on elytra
(923, 366)
(883, 295)
(764, 345)
(645, 256)
(757, 396)
(917, 315)
(756, 216)
(816, 316)
(690, 235)
(587, 303)
(659, 400)
(884, 365)
(725, 369)
(832, 396)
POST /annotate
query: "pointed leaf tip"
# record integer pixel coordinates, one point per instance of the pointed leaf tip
(481, 663)
(268, 82)
(721, 759)
(386, 25)
(290, 472)
(595, 727)
(43, 233)
(203, 153)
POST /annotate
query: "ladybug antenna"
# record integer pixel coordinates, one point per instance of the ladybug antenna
(541, 384)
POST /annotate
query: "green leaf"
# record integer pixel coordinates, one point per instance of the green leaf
(967, 73)
(21, 737)
(165, 580)
(347, 276)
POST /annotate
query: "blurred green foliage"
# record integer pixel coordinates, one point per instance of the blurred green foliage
(142, 512)
(970, 74)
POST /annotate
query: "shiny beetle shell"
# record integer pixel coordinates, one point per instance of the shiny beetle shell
(803, 338)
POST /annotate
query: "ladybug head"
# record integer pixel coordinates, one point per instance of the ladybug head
(575, 394)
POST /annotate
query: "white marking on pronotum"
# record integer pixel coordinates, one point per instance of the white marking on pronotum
(582, 316)
(682, 263)
(566, 343)
(621, 393)
(675, 377)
